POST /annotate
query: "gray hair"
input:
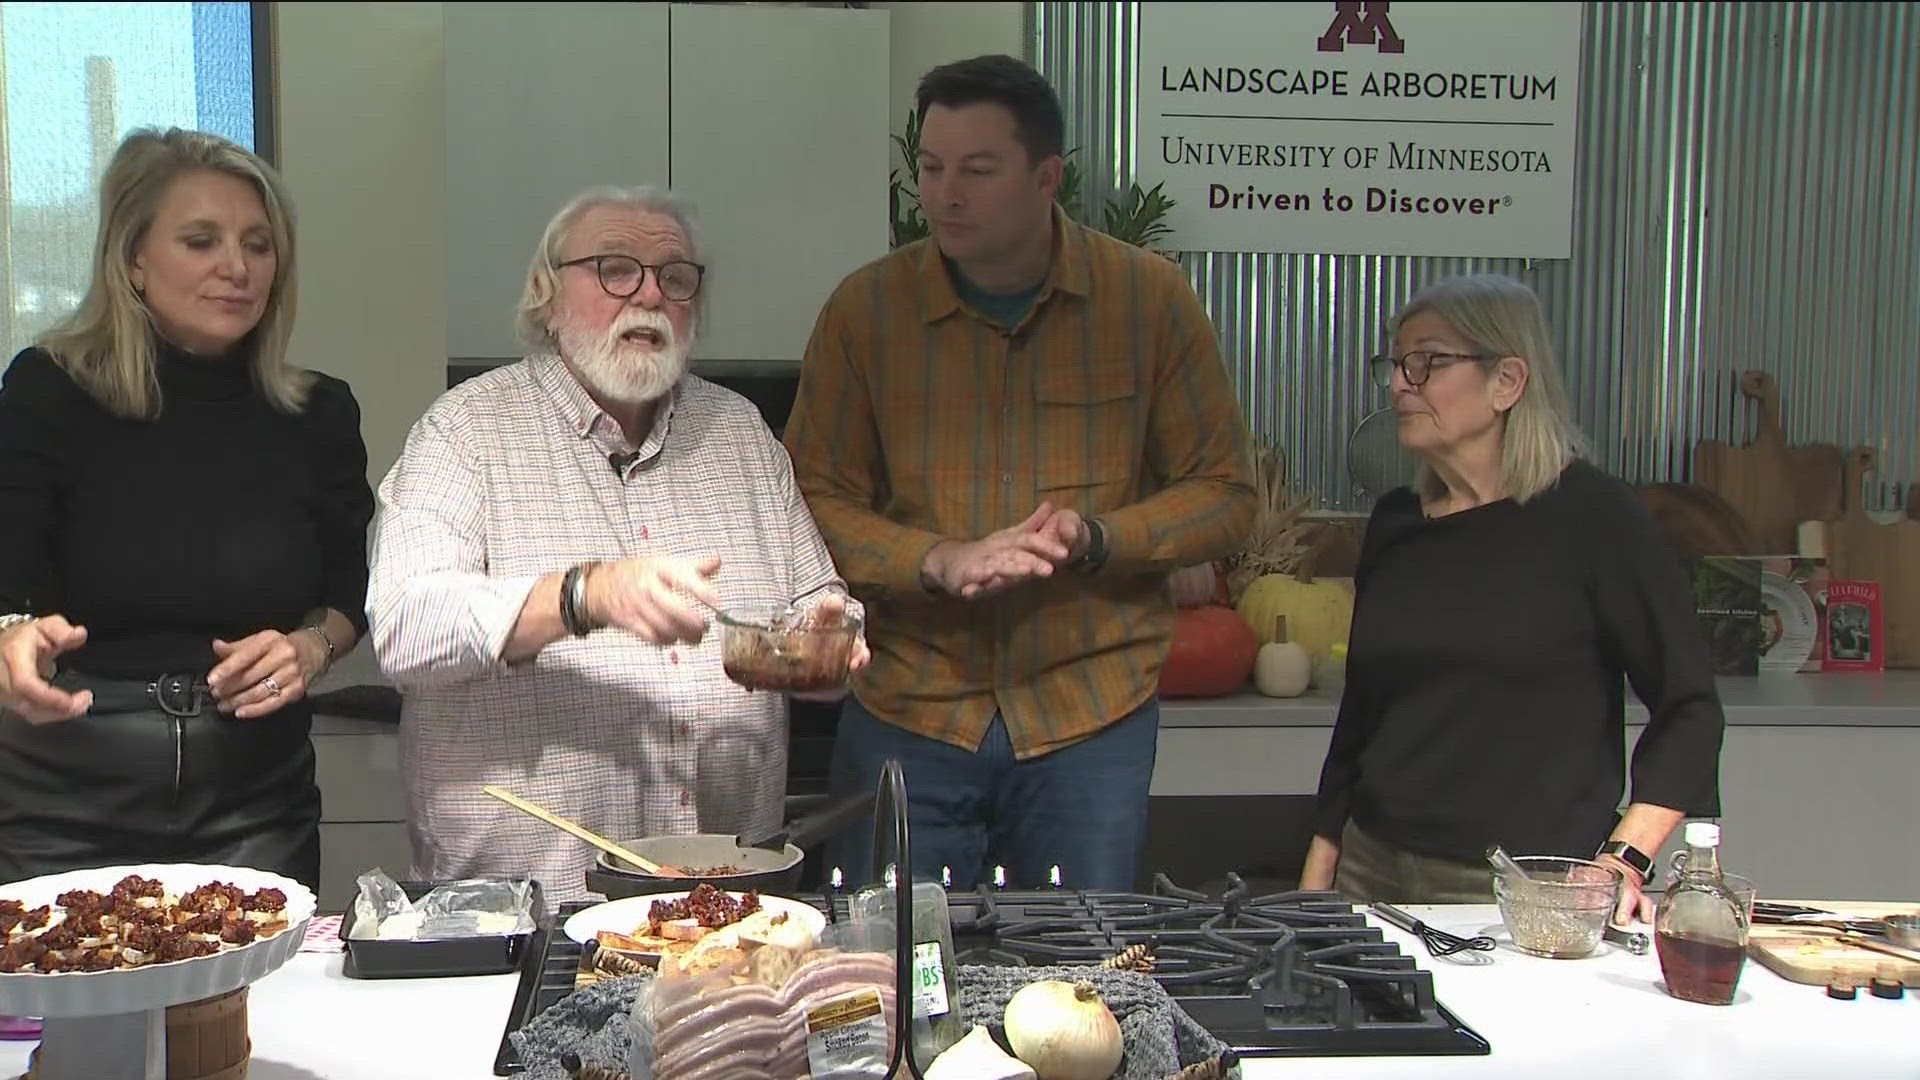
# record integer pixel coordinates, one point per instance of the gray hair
(1501, 317)
(535, 311)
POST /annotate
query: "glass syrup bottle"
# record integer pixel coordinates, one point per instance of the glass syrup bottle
(1700, 929)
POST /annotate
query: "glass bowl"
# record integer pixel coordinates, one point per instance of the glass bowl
(767, 645)
(1562, 907)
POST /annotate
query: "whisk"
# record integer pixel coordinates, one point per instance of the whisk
(1438, 942)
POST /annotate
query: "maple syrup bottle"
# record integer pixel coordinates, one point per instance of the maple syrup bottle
(1700, 929)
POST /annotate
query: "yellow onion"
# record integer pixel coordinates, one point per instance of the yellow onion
(1064, 1031)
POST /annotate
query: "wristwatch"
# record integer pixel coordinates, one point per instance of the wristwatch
(1095, 556)
(1632, 856)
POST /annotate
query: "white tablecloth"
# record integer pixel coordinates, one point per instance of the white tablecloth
(1604, 1017)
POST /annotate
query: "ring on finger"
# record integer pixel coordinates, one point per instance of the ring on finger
(272, 685)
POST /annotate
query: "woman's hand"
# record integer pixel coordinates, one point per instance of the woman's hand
(26, 665)
(1323, 858)
(1634, 904)
(261, 674)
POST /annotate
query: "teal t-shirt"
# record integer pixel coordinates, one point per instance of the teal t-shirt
(1004, 310)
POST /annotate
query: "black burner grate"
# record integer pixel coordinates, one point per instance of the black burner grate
(1291, 974)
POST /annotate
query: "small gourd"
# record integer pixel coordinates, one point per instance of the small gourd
(1282, 668)
(1194, 586)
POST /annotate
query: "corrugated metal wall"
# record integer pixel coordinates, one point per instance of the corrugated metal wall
(1748, 197)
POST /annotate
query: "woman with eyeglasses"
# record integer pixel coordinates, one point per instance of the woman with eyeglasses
(183, 528)
(1503, 604)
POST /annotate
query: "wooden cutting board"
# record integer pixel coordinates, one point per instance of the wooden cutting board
(1812, 954)
(1861, 549)
(1773, 487)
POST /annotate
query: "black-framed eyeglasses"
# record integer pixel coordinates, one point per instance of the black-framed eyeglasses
(623, 275)
(1417, 366)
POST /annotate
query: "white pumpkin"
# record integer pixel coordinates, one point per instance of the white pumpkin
(1282, 668)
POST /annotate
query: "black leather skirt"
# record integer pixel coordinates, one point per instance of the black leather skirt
(155, 774)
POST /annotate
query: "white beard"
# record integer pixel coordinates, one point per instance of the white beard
(623, 373)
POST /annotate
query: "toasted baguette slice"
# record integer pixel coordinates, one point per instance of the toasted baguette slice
(683, 930)
(622, 943)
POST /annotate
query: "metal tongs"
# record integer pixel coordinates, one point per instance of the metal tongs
(1775, 913)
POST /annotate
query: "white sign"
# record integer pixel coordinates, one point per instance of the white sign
(1362, 128)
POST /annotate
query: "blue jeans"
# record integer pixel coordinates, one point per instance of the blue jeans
(1082, 808)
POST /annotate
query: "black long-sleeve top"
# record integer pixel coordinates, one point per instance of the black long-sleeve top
(1485, 695)
(220, 518)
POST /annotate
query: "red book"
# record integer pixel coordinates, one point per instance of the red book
(1854, 641)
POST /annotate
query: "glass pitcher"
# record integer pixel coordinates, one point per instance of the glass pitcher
(1700, 929)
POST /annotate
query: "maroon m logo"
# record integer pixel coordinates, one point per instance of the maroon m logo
(1361, 24)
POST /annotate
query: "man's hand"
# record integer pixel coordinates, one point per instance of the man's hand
(975, 569)
(1071, 531)
(648, 597)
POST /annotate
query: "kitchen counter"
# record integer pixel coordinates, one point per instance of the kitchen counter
(1889, 699)
(1599, 1017)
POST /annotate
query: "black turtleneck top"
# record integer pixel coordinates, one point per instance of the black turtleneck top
(220, 518)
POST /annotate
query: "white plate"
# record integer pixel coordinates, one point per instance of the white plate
(1790, 625)
(153, 986)
(625, 916)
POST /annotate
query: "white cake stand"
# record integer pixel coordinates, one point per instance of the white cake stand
(98, 1024)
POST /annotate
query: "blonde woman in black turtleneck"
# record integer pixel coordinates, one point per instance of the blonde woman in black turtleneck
(185, 534)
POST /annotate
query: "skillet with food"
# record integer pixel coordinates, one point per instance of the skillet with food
(769, 864)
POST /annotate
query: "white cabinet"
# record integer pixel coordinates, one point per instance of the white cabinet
(773, 121)
(543, 100)
(780, 135)
(362, 807)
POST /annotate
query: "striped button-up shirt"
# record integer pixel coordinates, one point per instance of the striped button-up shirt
(918, 420)
(507, 479)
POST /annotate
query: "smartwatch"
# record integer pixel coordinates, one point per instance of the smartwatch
(1632, 856)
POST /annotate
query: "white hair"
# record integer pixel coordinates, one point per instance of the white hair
(1501, 317)
(533, 317)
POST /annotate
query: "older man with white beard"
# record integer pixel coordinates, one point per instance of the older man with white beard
(548, 550)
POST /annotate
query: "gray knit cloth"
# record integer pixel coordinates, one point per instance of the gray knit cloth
(1160, 1038)
(592, 1023)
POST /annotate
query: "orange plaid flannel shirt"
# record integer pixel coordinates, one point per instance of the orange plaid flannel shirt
(918, 420)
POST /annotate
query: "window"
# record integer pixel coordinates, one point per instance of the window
(75, 78)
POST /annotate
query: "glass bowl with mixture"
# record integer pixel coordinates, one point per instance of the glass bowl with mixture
(769, 645)
(1560, 907)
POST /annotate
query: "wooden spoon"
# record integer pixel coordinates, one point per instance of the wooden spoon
(583, 833)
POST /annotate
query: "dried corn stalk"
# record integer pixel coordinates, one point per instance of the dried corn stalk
(1138, 958)
(1282, 536)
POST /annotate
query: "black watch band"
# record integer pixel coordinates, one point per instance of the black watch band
(1632, 856)
(1095, 556)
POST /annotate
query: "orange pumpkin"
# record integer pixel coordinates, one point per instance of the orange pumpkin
(1211, 655)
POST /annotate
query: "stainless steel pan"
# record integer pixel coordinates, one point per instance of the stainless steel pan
(770, 864)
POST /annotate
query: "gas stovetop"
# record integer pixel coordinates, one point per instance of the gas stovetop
(1286, 974)
(1292, 974)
